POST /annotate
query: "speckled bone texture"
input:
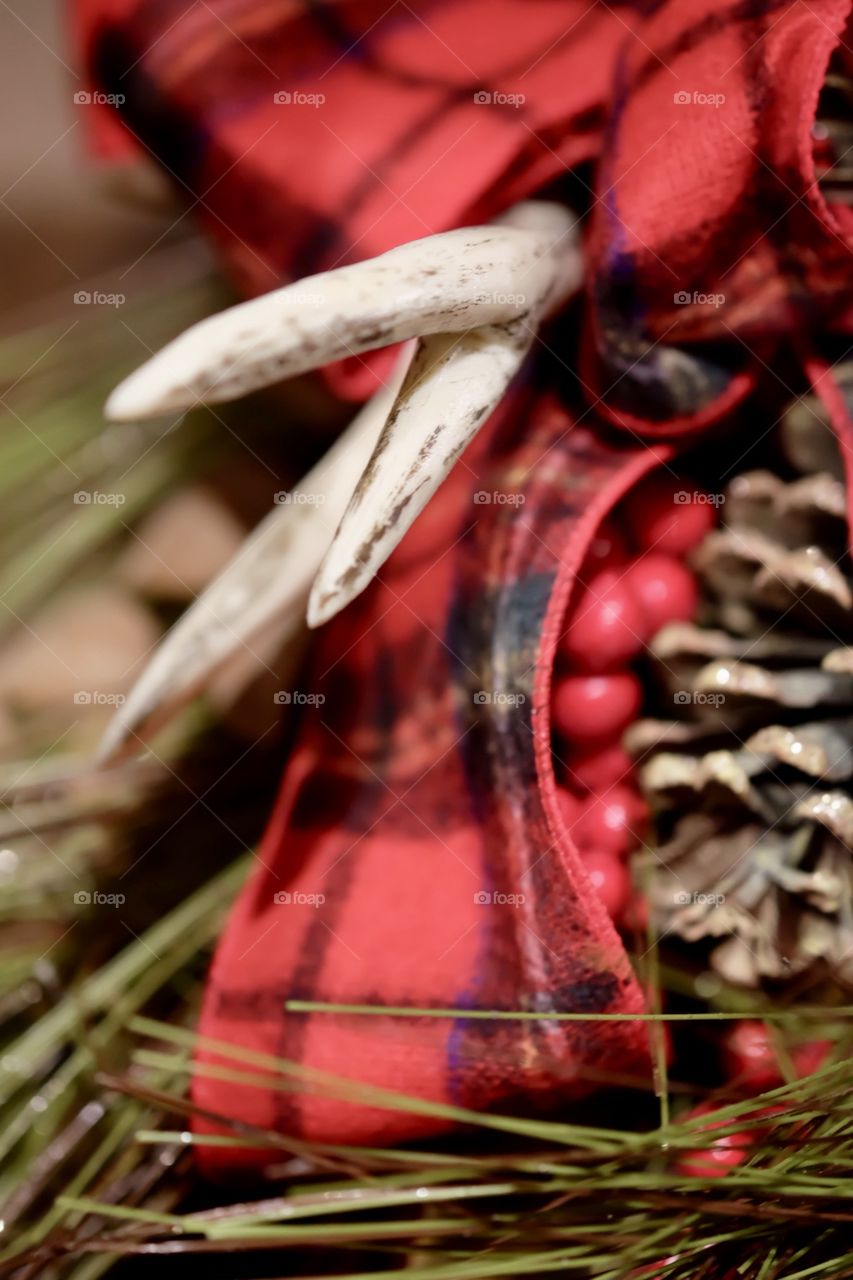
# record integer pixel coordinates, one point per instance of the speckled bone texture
(420, 786)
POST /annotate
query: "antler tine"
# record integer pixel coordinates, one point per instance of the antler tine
(453, 384)
(267, 583)
(443, 284)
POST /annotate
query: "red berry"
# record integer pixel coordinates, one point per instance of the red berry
(748, 1055)
(609, 878)
(723, 1154)
(592, 709)
(614, 820)
(607, 627)
(808, 1058)
(664, 589)
(668, 513)
(606, 550)
(597, 770)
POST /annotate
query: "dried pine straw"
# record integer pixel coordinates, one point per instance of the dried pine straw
(97, 1013)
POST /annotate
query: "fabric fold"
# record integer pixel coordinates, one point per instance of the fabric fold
(416, 856)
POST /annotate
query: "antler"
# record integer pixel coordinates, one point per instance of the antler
(474, 297)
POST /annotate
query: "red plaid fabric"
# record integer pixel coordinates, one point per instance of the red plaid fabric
(419, 812)
(711, 238)
(686, 127)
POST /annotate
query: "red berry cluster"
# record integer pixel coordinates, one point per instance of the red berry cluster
(633, 582)
(749, 1062)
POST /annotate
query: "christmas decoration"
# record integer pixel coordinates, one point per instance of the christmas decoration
(543, 963)
(408, 808)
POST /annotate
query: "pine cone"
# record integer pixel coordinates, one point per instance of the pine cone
(751, 782)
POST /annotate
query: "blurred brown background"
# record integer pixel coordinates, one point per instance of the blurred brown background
(86, 591)
(64, 216)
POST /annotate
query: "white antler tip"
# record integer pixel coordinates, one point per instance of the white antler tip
(323, 605)
(117, 743)
(131, 400)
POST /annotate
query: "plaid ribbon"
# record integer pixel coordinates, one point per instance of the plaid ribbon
(712, 241)
(416, 856)
(685, 125)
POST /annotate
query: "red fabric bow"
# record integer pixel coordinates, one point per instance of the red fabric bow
(711, 238)
(426, 821)
(688, 122)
